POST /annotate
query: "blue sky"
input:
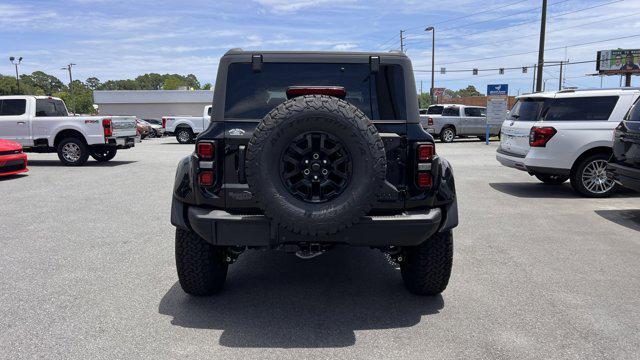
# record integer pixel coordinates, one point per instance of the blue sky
(115, 39)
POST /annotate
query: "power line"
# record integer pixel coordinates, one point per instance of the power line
(510, 68)
(552, 31)
(469, 15)
(524, 23)
(491, 20)
(546, 49)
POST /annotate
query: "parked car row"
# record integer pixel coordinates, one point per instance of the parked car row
(186, 128)
(567, 135)
(42, 124)
(149, 128)
(447, 121)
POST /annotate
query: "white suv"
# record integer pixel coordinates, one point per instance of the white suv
(556, 136)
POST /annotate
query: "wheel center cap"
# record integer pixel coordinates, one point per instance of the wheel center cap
(315, 167)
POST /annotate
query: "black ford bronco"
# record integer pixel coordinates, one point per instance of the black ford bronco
(307, 151)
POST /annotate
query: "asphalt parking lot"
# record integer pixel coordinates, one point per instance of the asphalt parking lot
(88, 272)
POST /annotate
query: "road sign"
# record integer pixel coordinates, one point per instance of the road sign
(438, 91)
(497, 99)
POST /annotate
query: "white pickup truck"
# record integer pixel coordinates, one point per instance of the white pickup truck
(447, 121)
(42, 124)
(186, 128)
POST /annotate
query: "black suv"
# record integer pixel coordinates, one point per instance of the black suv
(624, 165)
(307, 151)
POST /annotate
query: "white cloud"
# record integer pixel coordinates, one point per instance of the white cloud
(288, 6)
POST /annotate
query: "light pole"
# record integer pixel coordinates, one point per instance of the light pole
(433, 58)
(16, 63)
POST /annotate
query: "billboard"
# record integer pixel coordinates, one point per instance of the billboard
(618, 61)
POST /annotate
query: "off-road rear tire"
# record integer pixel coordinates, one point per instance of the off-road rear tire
(202, 267)
(317, 115)
(426, 268)
(73, 151)
(552, 179)
(184, 135)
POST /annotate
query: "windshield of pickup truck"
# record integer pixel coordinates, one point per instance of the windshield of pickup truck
(50, 107)
(251, 95)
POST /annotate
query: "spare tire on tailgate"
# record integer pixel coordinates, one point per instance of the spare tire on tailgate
(315, 164)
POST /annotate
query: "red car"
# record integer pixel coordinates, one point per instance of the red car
(12, 159)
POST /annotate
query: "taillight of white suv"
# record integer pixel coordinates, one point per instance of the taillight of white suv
(539, 136)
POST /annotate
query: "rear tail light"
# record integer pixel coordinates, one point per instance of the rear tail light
(539, 136)
(424, 157)
(430, 121)
(426, 152)
(205, 150)
(424, 180)
(106, 126)
(164, 123)
(206, 178)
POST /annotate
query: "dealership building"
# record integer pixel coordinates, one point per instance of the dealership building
(152, 104)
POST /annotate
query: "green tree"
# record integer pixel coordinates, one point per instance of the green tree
(192, 81)
(93, 83)
(207, 86)
(150, 81)
(173, 82)
(469, 91)
(42, 83)
(424, 100)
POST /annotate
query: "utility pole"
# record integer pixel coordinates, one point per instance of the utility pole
(543, 26)
(401, 40)
(627, 80)
(73, 101)
(16, 63)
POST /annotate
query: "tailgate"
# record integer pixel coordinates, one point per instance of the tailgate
(123, 126)
(514, 137)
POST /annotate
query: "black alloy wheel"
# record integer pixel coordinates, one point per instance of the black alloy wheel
(316, 167)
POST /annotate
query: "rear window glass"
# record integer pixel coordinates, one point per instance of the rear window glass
(451, 111)
(50, 107)
(13, 107)
(435, 110)
(251, 95)
(527, 109)
(585, 108)
(473, 112)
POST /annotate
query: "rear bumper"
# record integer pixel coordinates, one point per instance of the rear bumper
(224, 229)
(624, 175)
(521, 162)
(122, 142)
(13, 164)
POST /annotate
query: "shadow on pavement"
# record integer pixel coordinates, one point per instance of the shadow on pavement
(15, 176)
(274, 299)
(540, 190)
(627, 218)
(533, 190)
(111, 163)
